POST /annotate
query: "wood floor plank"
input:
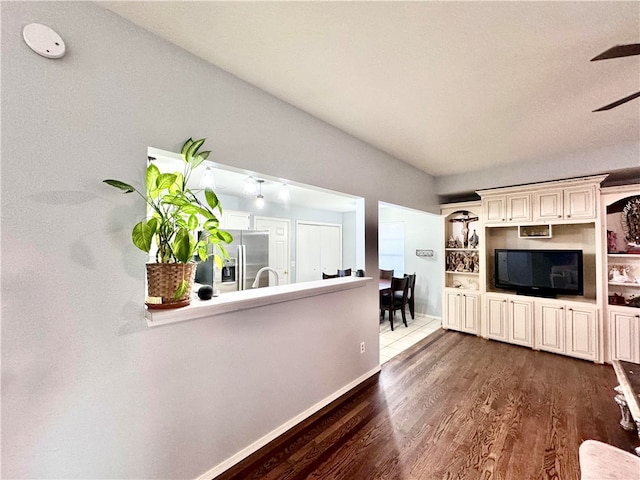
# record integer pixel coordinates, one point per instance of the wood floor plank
(454, 406)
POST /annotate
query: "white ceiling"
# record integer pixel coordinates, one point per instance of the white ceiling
(446, 86)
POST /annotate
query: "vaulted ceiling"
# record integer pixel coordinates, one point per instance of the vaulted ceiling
(445, 86)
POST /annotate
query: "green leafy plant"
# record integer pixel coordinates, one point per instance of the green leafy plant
(176, 214)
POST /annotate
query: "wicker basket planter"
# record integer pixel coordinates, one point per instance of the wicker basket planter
(163, 280)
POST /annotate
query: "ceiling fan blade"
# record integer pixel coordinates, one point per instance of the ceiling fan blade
(619, 51)
(619, 102)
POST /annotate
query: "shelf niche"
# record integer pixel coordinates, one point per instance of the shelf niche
(462, 254)
(623, 254)
(565, 236)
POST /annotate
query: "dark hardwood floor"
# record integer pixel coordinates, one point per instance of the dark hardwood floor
(454, 406)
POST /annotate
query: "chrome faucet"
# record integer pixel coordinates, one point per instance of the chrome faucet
(265, 269)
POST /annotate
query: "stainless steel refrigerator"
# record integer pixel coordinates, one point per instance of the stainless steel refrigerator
(248, 253)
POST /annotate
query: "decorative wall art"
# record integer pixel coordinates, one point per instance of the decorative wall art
(465, 219)
(631, 224)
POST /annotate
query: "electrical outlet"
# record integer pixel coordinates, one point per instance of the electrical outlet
(361, 347)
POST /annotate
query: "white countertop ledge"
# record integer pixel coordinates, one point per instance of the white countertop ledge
(246, 299)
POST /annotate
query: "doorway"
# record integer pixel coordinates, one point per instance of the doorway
(278, 245)
(404, 236)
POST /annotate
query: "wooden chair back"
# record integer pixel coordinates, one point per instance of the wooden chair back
(386, 274)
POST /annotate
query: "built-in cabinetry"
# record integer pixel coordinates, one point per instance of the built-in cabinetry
(545, 216)
(507, 208)
(621, 240)
(566, 328)
(509, 318)
(462, 310)
(625, 334)
(531, 203)
(462, 273)
(235, 220)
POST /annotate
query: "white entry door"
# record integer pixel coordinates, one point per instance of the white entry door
(278, 245)
(318, 250)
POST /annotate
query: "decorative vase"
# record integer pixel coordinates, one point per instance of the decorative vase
(164, 279)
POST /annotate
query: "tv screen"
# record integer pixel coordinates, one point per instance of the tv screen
(539, 272)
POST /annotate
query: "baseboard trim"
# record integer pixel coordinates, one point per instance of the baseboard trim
(269, 437)
(430, 317)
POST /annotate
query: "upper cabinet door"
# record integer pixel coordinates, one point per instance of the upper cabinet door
(579, 203)
(548, 205)
(519, 208)
(494, 209)
(234, 220)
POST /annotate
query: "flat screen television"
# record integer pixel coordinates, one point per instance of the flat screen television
(544, 273)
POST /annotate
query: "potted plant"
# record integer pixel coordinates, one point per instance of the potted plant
(179, 225)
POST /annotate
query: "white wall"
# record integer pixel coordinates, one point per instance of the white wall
(422, 231)
(88, 391)
(578, 164)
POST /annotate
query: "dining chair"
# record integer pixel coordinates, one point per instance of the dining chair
(344, 273)
(410, 288)
(386, 274)
(391, 303)
(326, 275)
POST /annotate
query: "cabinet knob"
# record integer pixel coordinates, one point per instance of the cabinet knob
(568, 216)
(559, 216)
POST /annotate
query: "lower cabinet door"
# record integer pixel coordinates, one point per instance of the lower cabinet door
(521, 322)
(550, 327)
(452, 309)
(626, 336)
(470, 313)
(496, 317)
(582, 333)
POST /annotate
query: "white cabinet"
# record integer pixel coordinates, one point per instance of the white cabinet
(513, 208)
(550, 325)
(582, 332)
(555, 202)
(462, 310)
(575, 203)
(580, 203)
(235, 220)
(622, 271)
(625, 333)
(509, 319)
(519, 207)
(496, 316)
(494, 209)
(548, 205)
(520, 311)
(569, 329)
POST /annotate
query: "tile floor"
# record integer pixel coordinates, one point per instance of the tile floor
(392, 343)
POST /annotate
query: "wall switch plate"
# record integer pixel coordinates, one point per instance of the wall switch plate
(43, 40)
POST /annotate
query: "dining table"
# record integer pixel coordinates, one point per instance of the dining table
(384, 284)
